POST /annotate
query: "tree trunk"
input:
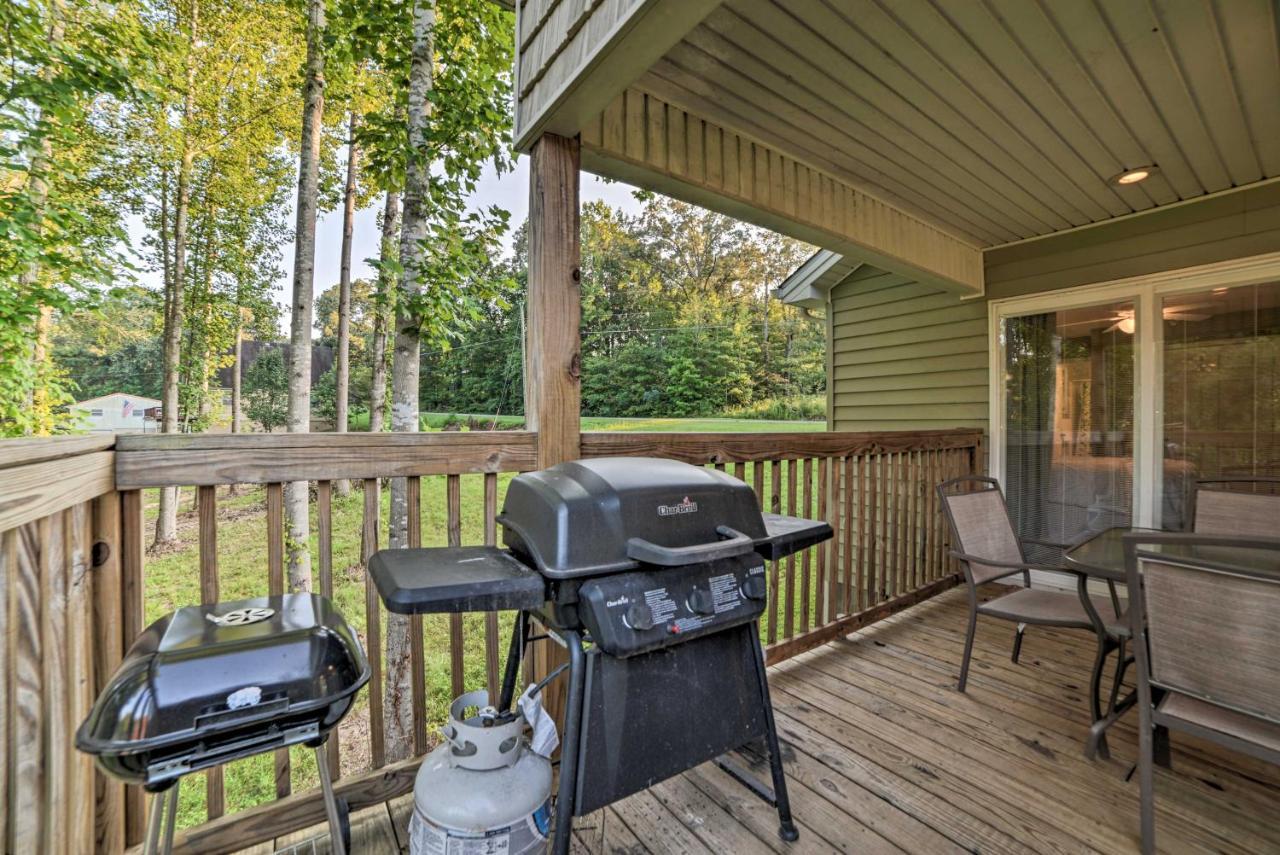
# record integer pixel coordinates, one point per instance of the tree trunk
(167, 518)
(405, 365)
(343, 368)
(237, 412)
(38, 189)
(296, 493)
(382, 308)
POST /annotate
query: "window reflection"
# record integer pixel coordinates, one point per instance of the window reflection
(1221, 353)
(1070, 431)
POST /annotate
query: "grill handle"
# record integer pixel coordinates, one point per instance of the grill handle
(736, 543)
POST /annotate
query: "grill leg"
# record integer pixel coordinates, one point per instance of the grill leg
(337, 839)
(158, 802)
(518, 633)
(786, 827)
(164, 816)
(171, 821)
(565, 795)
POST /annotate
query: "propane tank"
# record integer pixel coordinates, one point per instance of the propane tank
(483, 791)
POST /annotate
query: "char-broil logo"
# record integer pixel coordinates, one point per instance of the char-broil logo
(684, 506)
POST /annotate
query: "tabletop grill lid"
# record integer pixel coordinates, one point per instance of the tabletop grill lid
(206, 671)
(578, 518)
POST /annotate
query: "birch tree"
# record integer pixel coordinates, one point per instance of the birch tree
(384, 302)
(342, 368)
(296, 493)
(167, 518)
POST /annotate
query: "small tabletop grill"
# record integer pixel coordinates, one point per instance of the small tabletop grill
(660, 565)
(210, 684)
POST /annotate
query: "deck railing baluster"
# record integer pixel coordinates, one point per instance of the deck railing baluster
(373, 624)
(457, 665)
(324, 541)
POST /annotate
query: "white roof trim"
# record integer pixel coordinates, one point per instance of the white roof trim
(809, 284)
(142, 399)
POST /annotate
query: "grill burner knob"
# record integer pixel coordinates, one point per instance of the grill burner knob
(701, 603)
(638, 617)
(753, 588)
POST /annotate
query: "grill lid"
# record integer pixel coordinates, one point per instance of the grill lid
(208, 670)
(611, 514)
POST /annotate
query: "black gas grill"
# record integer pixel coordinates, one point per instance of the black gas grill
(210, 684)
(652, 574)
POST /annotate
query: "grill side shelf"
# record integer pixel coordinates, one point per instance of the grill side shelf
(454, 579)
(788, 535)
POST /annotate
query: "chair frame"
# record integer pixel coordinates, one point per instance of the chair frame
(1105, 642)
(1151, 720)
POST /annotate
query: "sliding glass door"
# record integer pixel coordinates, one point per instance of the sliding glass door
(1220, 351)
(1069, 425)
(1110, 403)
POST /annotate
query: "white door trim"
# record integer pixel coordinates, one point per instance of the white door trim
(1145, 292)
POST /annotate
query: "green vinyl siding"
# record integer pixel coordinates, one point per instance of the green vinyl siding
(905, 356)
(1232, 225)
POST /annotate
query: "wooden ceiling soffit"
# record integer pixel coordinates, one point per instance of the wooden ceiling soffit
(641, 139)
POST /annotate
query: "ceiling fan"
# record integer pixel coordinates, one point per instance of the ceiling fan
(1125, 323)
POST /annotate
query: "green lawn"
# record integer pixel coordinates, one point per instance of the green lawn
(172, 580)
(433, 421)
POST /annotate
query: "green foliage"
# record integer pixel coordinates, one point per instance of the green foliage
(447, 277)
(112, 347)
(676, 321)
(266, 390)
(805, 407)
(66, 73)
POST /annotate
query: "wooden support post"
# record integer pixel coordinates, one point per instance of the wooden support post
(552, 387)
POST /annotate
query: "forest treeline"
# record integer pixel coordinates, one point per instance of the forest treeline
(156, 156)
(677, 321)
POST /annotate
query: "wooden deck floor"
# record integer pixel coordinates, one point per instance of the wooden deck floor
(884, 756)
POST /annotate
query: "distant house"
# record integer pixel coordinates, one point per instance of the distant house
(322, 357)
(119, 412)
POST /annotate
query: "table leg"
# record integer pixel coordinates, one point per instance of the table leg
(1096, 745)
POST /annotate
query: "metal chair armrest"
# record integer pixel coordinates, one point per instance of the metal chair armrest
(1012, 567)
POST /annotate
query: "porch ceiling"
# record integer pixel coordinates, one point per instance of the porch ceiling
(997, 120)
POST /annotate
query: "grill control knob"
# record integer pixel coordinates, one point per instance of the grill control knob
(701, 602)
(753, 588)
(638, 617)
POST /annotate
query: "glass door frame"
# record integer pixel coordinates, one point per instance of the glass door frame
(1146, 293)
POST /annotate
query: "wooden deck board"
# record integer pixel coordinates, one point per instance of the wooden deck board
(884, 756)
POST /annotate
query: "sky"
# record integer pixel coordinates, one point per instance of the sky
(509, 191)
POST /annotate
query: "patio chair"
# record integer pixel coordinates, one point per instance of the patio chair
(1245, 506)
(988, 549)
(1207, 641)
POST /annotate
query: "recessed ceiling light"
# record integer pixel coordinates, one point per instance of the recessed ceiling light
(1133, 176)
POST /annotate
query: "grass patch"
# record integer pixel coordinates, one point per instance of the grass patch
(758, 422)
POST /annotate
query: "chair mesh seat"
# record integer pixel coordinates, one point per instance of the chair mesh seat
(1036, 605)
(1213, 717)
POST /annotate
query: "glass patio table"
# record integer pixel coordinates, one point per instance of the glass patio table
(1102, 557)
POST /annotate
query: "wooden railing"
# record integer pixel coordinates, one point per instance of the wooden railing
(876, 490)
(76, 585)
